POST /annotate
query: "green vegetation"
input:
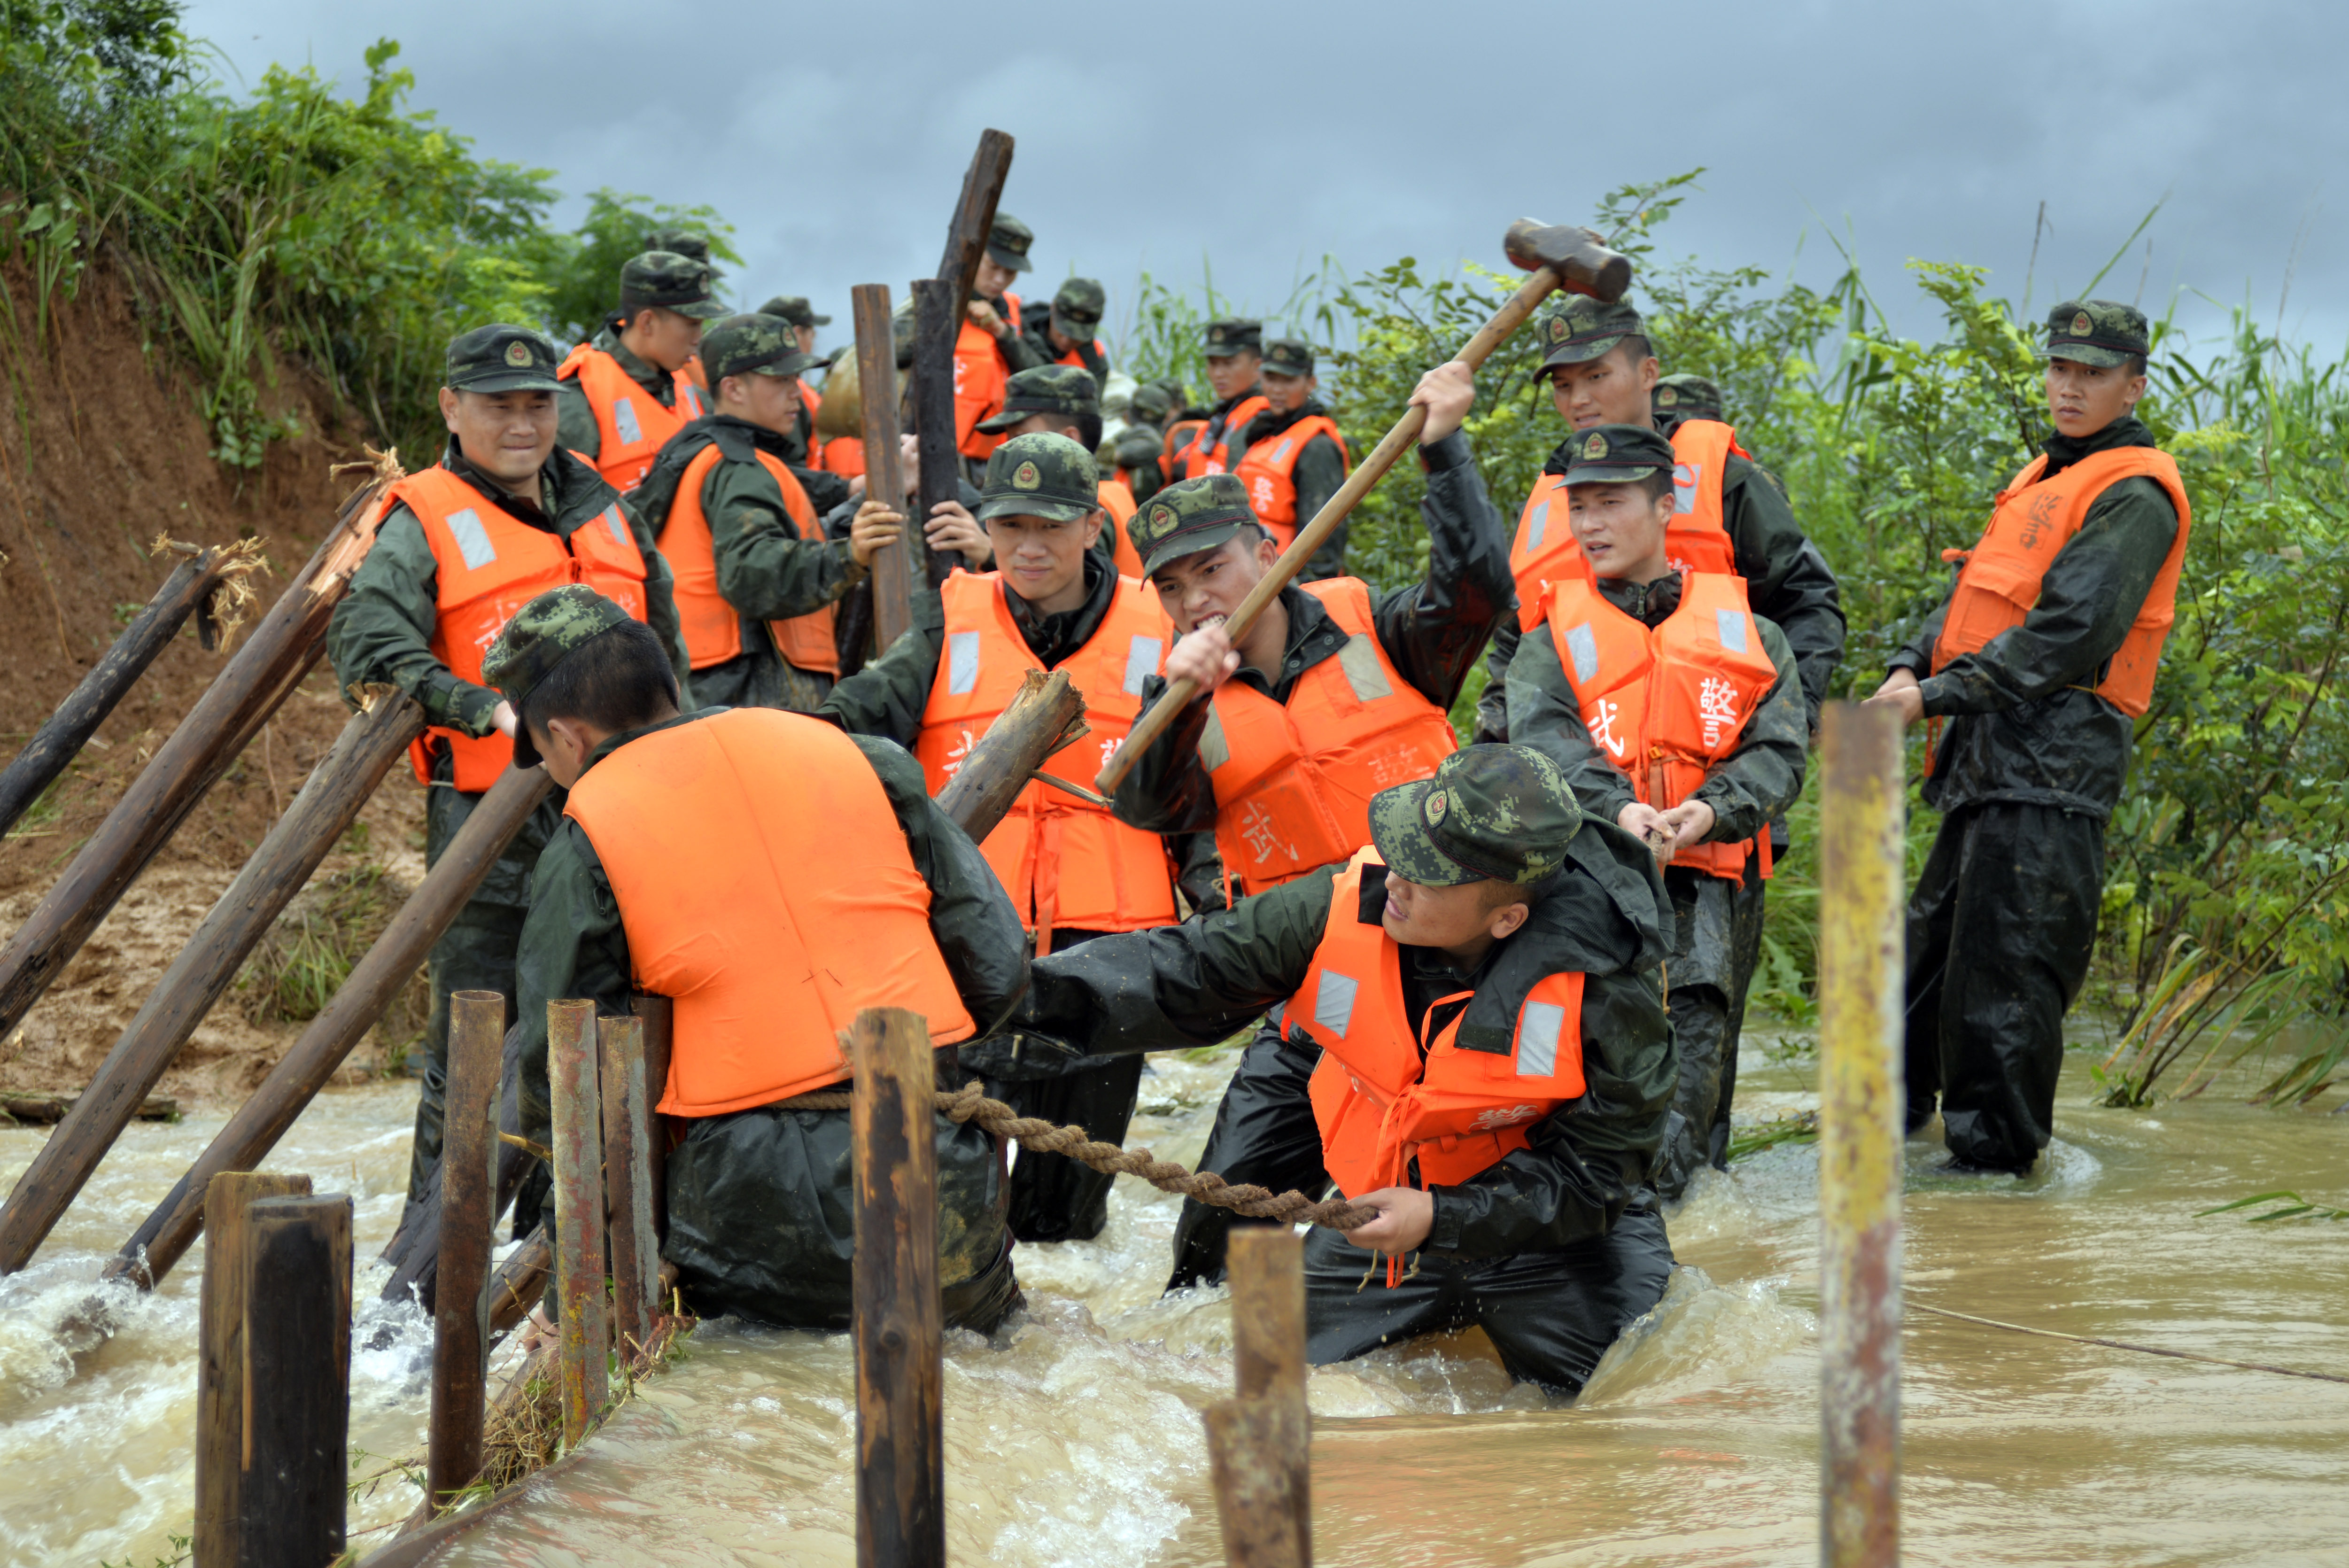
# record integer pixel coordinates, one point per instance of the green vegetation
(2284, 1206)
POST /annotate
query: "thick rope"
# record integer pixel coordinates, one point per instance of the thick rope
(1040, 1137)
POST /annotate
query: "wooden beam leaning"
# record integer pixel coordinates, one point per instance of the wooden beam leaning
(627, 1185)
(939, 304)
(877, 389)
(327, 804)
(1862, 798)
(219, 1361)
(297, 1381)
(328, 1039)
(900, 1352)
(194, 579)
(469, 1164)
(1044, 715)
(1259, 1445)
(584, 1334)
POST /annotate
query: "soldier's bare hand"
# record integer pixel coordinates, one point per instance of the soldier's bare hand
(877, 528)
(502, 717)
(1446, 393)
(984, 314)
(909, 464)
(1406, 1215)
(1646, 823)
(1900, 691)
(1205, 658)
(1688, 822)
(952, 527)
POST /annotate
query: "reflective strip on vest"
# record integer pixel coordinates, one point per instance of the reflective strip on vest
(1696, 540)
(1333, 1002)
(631, 426)
(472, 539)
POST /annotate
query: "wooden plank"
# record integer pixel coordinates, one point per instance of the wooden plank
(297, 1383)
(627, 1185)
(900, 1357)
(1046, 713)
(937, 324)
(1248, 1441)
(219, 1363)
(877, 386)
(974, 214)
(583, 1334)
(1266, 1272)
(477, 1026)
(43, 1109)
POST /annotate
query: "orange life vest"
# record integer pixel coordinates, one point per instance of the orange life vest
(1077, 356)
(812, 401)
(1694, 541)
(1293, 779)
(713, 627)
(1180, 434)
(488, 564)
(844, 455)
(1667, 705)
(1117, 500)
(1999, 583)
(1209, 449)
(766, 890)
(1066, 861)
(631, 424)
(1382, 1097)
(1268, 470)
(979, 382)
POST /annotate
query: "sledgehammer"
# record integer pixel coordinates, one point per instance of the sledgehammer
(1560, 257)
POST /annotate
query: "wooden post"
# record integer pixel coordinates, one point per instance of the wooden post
(900, 1352)
(1259, 1445)
(627, 1185)
(328, 1038)
(297, 1381)
(192, 580)
(659, 1016)
(586, 1335)
(1860, 1093)
(477, 1026)
(342, 783)
(937, 324)
(1045, 714)
(220, 1365)
(876, 388)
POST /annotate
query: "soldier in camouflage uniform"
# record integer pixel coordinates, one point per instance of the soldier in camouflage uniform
(758, 1198)
(1630, 467)
(384, 632)
(795, 309)
(1319, 467)
(1684, 397)
(664, 298)
(1489, 895)
(1143, 443)
(1068, 333)
(1061, 400)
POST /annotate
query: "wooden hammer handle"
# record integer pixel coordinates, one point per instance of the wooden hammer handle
(1398, 440)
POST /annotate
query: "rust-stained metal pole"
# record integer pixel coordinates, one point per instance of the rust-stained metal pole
(627, 1185)
(1862, 798)
(469, 1184)
(584, 1335)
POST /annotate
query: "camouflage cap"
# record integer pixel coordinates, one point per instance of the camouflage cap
(502, 359)
(1288, 357)
(1178, 396)
(1576, 329)
(669, 282)
(1188, 517)
(1007, 243)
(679, 241)
(1616, 454)
(795, 309)
(1046, 389)
(1235, 335)
(1151, 404)
(1082, 302)
(1040, 476)
(760, 345)
(2096, 332)
(1686, 398)
(541, 635)
(1498, 813)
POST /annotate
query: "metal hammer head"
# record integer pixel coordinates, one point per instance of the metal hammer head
(1583, 265)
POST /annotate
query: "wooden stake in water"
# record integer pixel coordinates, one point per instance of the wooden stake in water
(220, 1364)
(584, 1335)
(628, 1185)
(1861, 911)
(1259, 1445)
(469, 1178)
(297, 1381)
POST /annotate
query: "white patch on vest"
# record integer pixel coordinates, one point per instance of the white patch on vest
(1733, 629)
(1360, 660)
(1286, 442)
(1536, 524)
(624, 421)
(1215, 749)
(1583, 644)
(1141, 656)
(472, 539)
(1684, 478)
(619, 529)
(962, 663)
(1333, 1002)
(1537, 1034)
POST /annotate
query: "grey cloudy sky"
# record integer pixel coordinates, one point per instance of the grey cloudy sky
(1266, 135)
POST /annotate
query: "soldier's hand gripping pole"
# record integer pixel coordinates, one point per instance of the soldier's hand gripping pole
(1560, 257)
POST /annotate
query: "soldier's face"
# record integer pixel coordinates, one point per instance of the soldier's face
(1206, 588)
(770, 402)
(2083, 399)
(1231, 374)
(507, 435)
(1042, 559)
(805, 337)
(993, 278)
(664, 337)
(1612, 389)
(1461, 921)
(1287, 393)
(1620, 530)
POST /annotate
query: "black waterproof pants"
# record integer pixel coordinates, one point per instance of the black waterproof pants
(763, 1220)
(2001, 929)
(1264, 1133)
(1550, 1314)
(475, 954)
(1716, 942)
(1054, 1198)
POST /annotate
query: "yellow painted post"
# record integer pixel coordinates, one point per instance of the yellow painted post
(1862, 800)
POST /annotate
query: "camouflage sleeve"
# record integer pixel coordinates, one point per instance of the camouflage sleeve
(661, 605)
(765, 570)
(888, 697)
(1762, 777)
(1434, 630)
(1787, 578)
(1320, 470)
(1545, 714)
(1168, 789)
(573, 947)
(1493, 706)
(2091, 594)
(1019, 352)
(575, 420)
(382, 631)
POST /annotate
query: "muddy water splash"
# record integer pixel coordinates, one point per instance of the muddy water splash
(1075, 1438)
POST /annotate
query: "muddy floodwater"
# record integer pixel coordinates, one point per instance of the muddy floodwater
(1075, 1438)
